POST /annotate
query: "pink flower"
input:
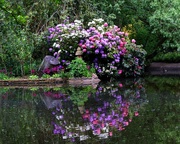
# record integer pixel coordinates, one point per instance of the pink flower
(33, 71)
(105, 24)
(88, 67)
(84, 50)
(123, 39)
(133, 41)
(121, 44)
(92, 46)
(120, 72)
(120, 128)
(121, 85)
(110, 133)
(126, 123)
(83, 46)
(85, 116)
(34, 94)
(126, 34)
(136, 113)
(95, 122)
(98, 131)
(91, 39)
(102, 125)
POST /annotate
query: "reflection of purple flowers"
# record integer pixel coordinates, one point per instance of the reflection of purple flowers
(115, 118)
(54, 95)
(114, 110)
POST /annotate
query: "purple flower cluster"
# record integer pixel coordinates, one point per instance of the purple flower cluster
(106, 48)
(52, 70)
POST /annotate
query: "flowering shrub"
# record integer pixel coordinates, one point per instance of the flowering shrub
(65, 38)
(106, 47)
(133, 61)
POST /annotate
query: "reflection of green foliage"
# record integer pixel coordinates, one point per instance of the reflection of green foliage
(3, 90)
(166, 126)
(79, 95)
(171, 83)
(158, 122)
(34, 88)
(20, 122)
(56, 88)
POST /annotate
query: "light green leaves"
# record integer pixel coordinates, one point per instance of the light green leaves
(166, 21)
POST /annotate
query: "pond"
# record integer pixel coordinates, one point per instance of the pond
(129, 111)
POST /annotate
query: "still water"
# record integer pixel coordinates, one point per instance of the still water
(130, 111)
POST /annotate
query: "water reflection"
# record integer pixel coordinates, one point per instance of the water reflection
(110, 107)
(75, 114)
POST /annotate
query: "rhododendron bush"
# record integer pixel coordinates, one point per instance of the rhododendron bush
(105, 47)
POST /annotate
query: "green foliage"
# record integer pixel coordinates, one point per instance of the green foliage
(16, 44)
(4, 90)
(63, 74)
(33, 77)
(144, 36)
(3, 76)
(23, 23)
(17, 50)
(56, 75)
(172, 84)
(167, 57)
(46, 76)
(111, 11)
(165, 20)
(78, 68)
(134, 61)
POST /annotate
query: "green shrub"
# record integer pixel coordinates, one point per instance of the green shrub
(56, 75)
(3, 76)
(167, 57)
(78, 68)
(46, 76)
(33, 77)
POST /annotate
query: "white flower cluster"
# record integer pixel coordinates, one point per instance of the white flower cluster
(73, 30)
(96, 22)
